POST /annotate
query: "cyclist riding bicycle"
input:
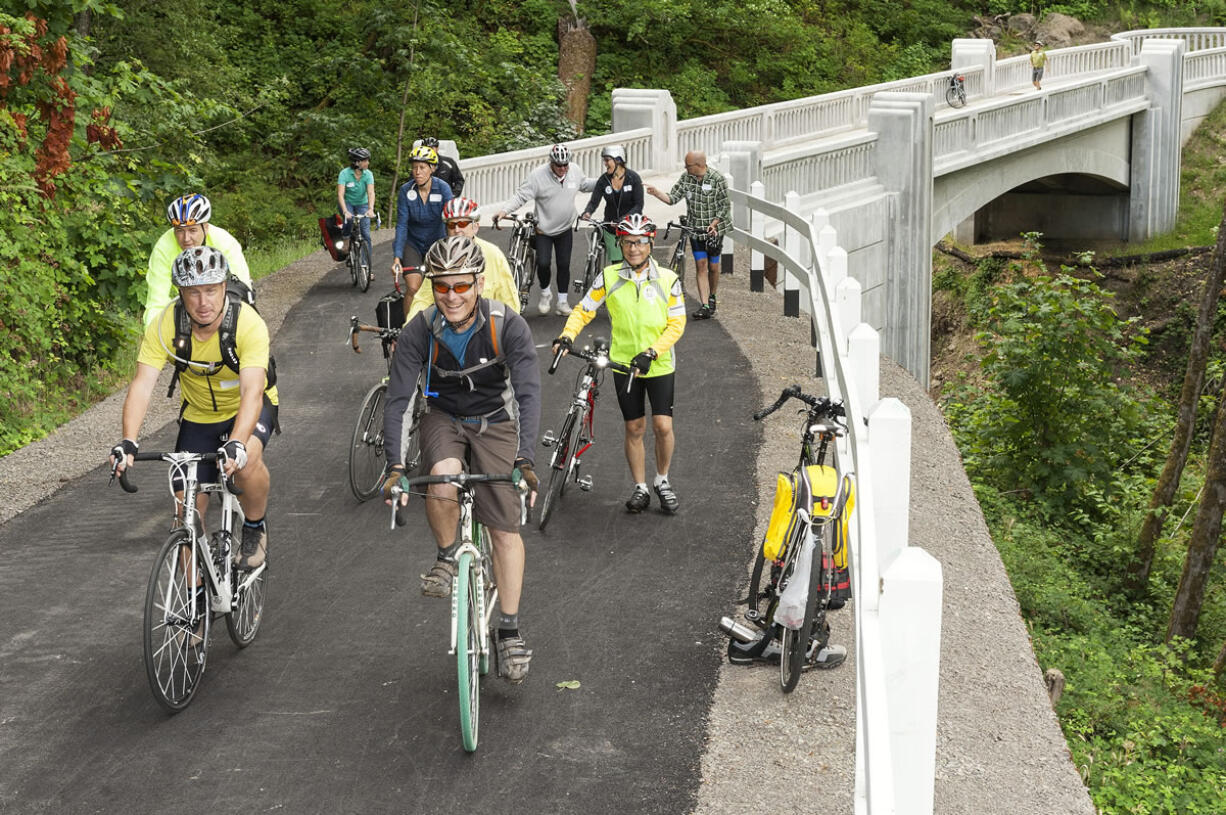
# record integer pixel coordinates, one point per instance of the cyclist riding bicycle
(189, 216)
(355, 191)
(647, 315)
(224, 410)
(483, 390)
(461, 217)
(621, 189)
(419, 216)
(552, 188)
(448, 170)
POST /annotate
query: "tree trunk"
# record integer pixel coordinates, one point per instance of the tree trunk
(1219, 664)
(1190, 596)
(83, 22)
(576, 64)
(1142, 563)
(404, 108)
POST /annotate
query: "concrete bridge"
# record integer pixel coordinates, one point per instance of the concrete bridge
(848, 192)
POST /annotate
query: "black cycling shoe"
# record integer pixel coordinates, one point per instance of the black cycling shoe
(704, 313)
(668, 498)
(639, 501)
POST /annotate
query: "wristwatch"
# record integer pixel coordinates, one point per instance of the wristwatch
(651, 352)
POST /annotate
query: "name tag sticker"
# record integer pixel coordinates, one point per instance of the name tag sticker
(706, 187)
(627, 188)
(435, 197)
(226, 384)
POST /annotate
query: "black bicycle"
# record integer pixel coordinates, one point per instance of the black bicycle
(359, 253)
(806, 549)
(955, 91)
(596, 256)
(578, 432)
(521, 255)
(676, 260)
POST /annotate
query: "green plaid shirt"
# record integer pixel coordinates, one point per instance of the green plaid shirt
(705, 198)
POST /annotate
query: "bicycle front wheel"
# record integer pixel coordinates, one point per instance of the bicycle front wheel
(364, 266)
(366, 460)
(468, 648)
(176, 624)
(559, 469)
(243, 621)
(795, 644)
(677, 263)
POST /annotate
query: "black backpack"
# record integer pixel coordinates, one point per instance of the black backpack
(238, 294)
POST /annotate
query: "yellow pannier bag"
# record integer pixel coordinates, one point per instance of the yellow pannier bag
(781, 517)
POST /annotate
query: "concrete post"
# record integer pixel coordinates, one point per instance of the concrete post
(791, 245)
(864, 353)
(643, 107)
(910, 615)
(889, 433)
(728, 248)
(847, 307)
(903, 124)
(744, 166)
(757, 228)
(973, 53)
(1154, 197)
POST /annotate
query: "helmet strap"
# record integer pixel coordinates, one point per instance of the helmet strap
(456, 325)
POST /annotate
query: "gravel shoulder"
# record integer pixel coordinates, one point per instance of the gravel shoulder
(999, 747)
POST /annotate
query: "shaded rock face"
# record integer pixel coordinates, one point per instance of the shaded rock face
(1022, 24)
(1059, 30)
(576, 64)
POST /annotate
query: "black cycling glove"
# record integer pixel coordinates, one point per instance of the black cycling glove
(643, 361)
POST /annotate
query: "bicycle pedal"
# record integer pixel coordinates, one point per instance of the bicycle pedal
(549, 440)
(585, 483)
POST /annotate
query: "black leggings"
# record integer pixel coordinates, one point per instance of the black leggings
(561, 244)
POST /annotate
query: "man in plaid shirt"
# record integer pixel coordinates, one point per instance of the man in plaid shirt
(706, 199)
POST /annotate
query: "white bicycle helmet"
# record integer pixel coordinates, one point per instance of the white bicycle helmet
(200, 266)
(636, 225)
(188, 210)
(559, 154)
(461, 209)
(615, 152)
(454, 255)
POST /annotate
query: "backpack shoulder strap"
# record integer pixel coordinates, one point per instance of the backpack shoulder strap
(227, 333)
(182, 345)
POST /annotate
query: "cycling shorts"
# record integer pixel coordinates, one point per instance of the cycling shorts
(492, 450)
(707, 247)
(657, 389)
(208, 437)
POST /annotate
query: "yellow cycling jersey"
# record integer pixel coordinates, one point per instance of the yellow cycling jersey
(210, 389)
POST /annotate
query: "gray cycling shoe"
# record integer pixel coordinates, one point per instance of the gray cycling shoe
(513, 658)
(437, 581)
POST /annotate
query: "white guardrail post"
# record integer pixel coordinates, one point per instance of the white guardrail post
(757, 228)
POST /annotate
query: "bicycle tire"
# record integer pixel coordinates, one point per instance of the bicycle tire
(677, 262)
(352, 263)
(794, 645)
(411, 453)
(954, 97)
(559, 469)
(364, 266)
(174, 663)
(247, 612)
(482, 536)
(366, 459)
(468, 649)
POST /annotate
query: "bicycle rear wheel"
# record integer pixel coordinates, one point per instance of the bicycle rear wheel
(364, 275)
(352, 263)
(491, 590)
(559, 468)
(677, 262)
(468, 648)
(176, 624)
(243, 621)
(795, 644)
(366, 459)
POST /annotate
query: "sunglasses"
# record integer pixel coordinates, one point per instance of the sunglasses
(631, 241)
(459, 224)
(458, 288)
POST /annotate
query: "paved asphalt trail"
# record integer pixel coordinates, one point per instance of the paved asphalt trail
(346, 702)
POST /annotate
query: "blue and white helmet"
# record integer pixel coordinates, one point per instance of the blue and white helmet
(188, 210)
(200, 266)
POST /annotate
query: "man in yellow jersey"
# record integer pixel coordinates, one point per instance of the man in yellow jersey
(190, 219)
(461, 216)
(647, 313)
(229, 406)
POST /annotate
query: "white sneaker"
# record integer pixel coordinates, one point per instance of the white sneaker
(562, 308)
(543, 306)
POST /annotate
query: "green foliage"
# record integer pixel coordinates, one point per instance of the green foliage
(1055, 419)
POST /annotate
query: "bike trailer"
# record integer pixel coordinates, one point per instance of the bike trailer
(331, 230)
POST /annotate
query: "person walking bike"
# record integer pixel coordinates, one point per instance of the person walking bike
(419, 217)
(483, 392)
(705, 192)
(448, 170)
(230, 402)
(552, 188)
(189, 216)
(647, 313)
(621, 189)
(355, 191)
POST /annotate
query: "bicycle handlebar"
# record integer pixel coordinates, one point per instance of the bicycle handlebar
(579, 219)
(684, 228)
(527, 219)
(356, 327)
(406, 484)
(600, 360)
(173, 458)
(819, 406)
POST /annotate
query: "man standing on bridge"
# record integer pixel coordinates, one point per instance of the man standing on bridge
(707, 207)
(1038, 59)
